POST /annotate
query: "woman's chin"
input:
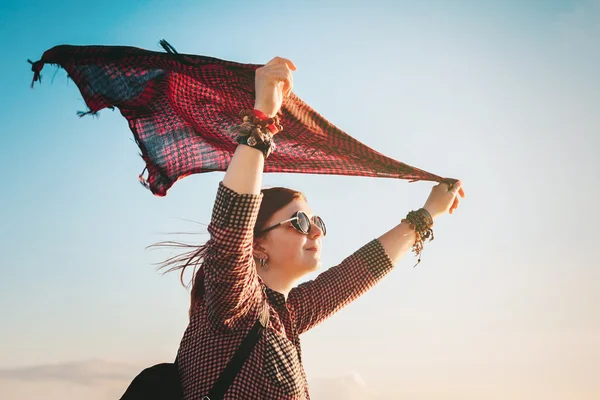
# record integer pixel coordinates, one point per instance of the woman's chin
(315, 265)
(313, 261)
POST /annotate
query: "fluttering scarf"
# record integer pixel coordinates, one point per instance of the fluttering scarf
(181, 107)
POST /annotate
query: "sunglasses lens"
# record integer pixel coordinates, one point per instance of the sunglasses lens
(303, 222)
(319, 222)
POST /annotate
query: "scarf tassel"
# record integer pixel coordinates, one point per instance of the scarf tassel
(82, 114)
(143, 180)
(167, 46)
(36, 67)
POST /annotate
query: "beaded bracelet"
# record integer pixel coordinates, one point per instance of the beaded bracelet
(257, 130)
(421, 222)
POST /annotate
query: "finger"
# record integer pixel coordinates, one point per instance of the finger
(281, 75)
(456, 202)
(461, 191)
(443, 185)
(284, 75)
(456, 187)
(279, 70)
(455, 205)
(281, 60)
(290, 83)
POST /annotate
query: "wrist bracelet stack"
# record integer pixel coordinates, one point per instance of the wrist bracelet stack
(257, 130)
(421, 222)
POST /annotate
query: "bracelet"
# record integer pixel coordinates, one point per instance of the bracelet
(257, 130)
(260, 118)
(421, 222)
(265, 147)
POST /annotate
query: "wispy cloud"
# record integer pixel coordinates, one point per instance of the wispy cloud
(346, 387)
(104, 380)
(89, 372)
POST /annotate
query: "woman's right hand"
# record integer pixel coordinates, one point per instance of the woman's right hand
(273, 82)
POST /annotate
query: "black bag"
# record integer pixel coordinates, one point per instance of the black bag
(161, 381)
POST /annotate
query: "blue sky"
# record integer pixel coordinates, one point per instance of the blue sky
(501, 94)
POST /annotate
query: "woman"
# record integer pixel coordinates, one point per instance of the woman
(260, 245)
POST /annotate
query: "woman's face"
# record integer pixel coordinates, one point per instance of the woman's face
(290, 251)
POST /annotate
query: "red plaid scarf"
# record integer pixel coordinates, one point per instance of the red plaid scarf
(180, 108)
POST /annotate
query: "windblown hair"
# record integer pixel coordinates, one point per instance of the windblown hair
(274, 199)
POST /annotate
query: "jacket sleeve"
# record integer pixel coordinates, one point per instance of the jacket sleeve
(314, 301)
(232, 290)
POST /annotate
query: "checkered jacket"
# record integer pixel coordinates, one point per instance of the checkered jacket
(233, 299)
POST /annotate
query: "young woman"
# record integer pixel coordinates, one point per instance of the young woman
(261, 243)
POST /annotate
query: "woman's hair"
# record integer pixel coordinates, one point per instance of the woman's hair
(274, 199)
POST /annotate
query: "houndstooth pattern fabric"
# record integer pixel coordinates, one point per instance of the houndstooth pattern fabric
(234, 295)
(180, 108)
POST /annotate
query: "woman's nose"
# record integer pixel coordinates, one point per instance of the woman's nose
(315, 231)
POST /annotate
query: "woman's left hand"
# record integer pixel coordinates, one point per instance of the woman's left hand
(444, 199)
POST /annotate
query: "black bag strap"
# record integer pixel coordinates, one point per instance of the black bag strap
(239, 358)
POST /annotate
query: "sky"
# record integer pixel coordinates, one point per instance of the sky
(502, 94)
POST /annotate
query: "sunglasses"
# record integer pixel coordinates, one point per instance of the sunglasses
(301, 222)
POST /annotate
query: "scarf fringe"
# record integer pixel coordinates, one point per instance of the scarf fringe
(36, 67)
(96, 113)
(167, 46)
(144, 181)
(82, 114)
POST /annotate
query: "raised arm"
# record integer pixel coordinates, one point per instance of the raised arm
(232, 291)
(315, 301)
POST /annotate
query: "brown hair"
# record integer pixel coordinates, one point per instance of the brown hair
(274, 199)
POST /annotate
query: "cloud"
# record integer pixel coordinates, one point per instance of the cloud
(346, 387)
(102, 380)
(89, 372)
(90, 380)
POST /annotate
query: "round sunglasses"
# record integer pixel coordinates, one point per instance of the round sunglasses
(301, 222)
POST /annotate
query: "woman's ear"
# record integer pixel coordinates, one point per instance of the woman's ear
(259, 251)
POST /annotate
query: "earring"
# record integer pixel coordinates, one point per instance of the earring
(263, 263)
